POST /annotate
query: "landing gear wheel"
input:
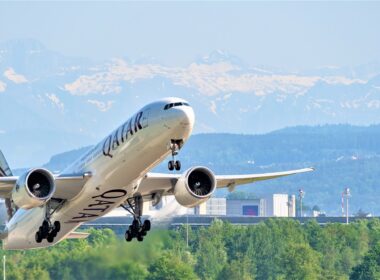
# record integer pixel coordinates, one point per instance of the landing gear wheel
(44, 229)
(38, 237)
(49, 230)
(135, 224)
(45, 224)
(171, 165)
(50, 238)
(137, 229)
(177, 165)
(57, 226)
(146, 225)
(53, 234)
(175, 146)
(128, 236)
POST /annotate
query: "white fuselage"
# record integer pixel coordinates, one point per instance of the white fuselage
(118, 164)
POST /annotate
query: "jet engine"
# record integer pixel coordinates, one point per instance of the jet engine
(195, 186)
(33, 189)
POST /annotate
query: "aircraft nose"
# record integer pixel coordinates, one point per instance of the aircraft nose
(181, 117)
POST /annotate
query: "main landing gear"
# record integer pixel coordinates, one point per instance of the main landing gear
(175, 145)
(137, 229)
(48, 230)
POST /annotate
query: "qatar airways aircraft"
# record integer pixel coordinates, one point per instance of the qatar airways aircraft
(45, 208)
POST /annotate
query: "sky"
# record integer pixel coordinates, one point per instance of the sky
(291, 35)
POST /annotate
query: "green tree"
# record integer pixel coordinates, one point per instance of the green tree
(126, 270)
(275, 249)
(301, 262)
(370, 267)
(211, 252)
(170, 267)
(238, 269)
(267, 243)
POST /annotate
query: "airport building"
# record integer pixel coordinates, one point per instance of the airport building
(246, 207)
(280, 205)
(275, 205)
(214, 206)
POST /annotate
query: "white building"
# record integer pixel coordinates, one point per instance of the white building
(280, 205)
(275, 205)
(213, 206)
(245, 207)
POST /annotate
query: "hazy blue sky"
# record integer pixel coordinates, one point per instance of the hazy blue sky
(284, 34)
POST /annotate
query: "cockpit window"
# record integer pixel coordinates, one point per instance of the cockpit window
(171, 105)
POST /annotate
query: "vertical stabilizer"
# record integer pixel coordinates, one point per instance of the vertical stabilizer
(6, 171)
(4, 167)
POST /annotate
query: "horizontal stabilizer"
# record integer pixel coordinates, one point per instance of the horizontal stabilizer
(77, 235)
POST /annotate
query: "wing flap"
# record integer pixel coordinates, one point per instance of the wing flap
(69, 186)
(158, 183)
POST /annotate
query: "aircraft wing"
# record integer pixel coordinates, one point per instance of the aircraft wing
(230, 181)
(67, 186)
(163, 184)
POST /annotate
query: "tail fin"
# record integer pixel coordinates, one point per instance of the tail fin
(4, 167)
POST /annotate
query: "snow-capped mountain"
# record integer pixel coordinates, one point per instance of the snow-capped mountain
(51, 103)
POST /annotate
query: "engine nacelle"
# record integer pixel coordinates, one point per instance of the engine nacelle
(33, 189)
(195, 186)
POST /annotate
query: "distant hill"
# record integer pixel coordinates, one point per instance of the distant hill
(343, 155)
(61, 161)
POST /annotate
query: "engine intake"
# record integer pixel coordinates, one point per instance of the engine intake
(195, 186)
(33, 189)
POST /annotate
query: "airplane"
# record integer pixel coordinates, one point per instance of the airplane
(46, 208)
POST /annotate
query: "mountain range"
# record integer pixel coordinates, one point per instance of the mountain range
(51, 103)
(342, 155)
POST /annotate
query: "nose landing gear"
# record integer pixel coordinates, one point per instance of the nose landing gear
(175, 146)
(174, 164)
(137, 229)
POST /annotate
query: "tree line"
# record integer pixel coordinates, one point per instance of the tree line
(275, 249)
